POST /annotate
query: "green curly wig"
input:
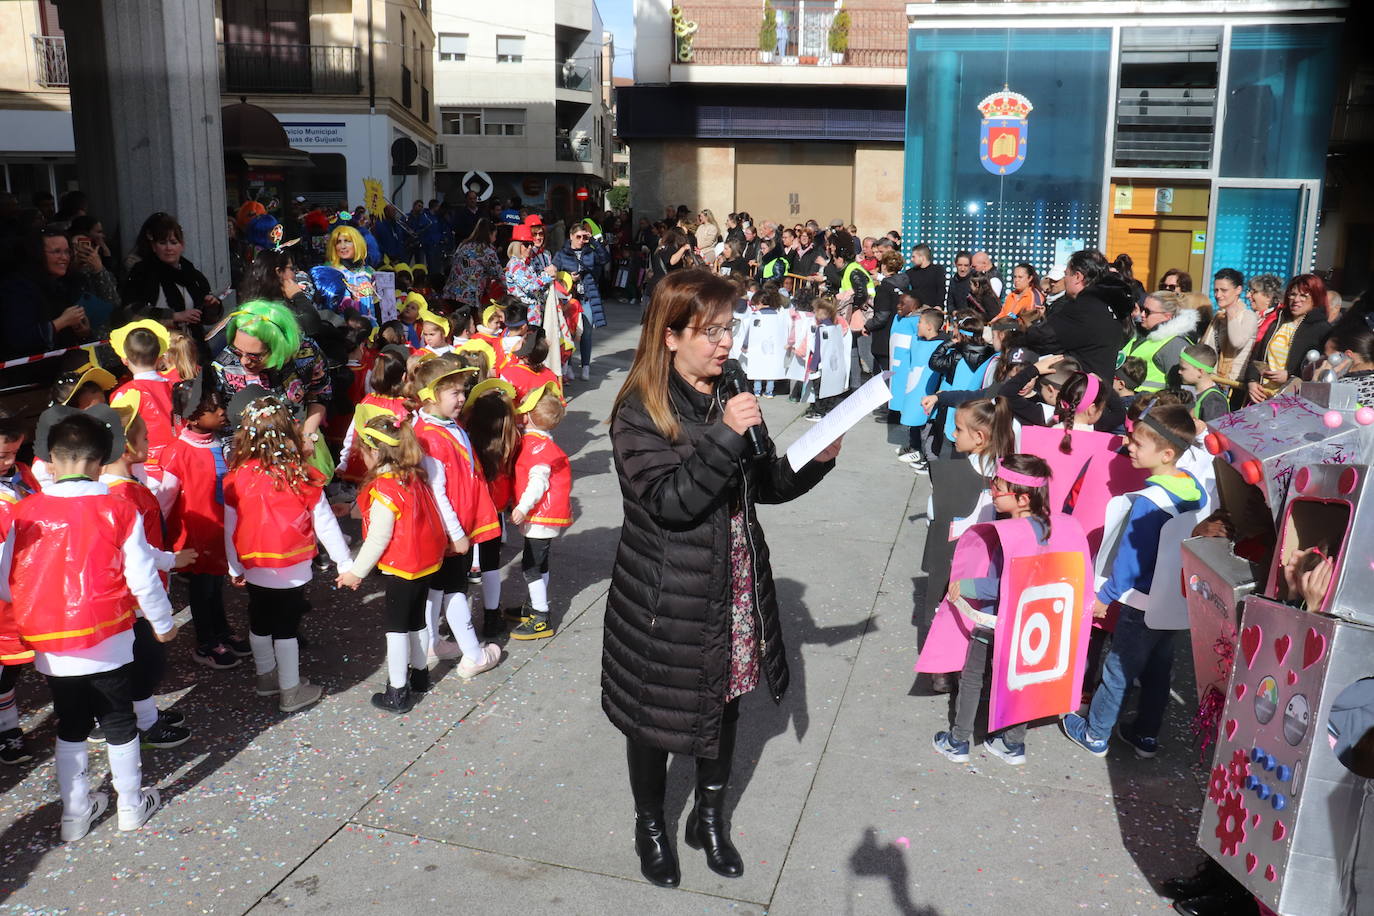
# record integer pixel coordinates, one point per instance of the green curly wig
(273, 324)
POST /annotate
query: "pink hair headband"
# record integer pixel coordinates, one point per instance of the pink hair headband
(1016, 477)
(1090, 392)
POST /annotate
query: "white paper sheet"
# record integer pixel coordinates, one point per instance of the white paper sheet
(873, 394)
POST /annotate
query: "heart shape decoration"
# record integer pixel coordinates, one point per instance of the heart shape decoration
(1250, 862)
(1292, 677)
(1239, 690)
(1269, 873)
(1313, 648)
(1250, 638)
(1231, 725)
(1254, 820)
(1281, 647)
(1279, 832)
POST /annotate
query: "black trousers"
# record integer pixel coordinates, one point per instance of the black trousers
(276, 612)
(107, 697)
(9, 676)
(489, 555)
(207, 608)
(452, 577)
(534, 559)
(405, 603)
(150, 661)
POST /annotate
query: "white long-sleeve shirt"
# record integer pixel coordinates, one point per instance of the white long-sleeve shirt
(326, 531)
(140, 572)
(438, 477)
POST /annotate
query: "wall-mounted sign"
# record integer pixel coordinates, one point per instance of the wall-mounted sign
(1002, 135)
(1164, 200)
(480, 182)
(316, 134)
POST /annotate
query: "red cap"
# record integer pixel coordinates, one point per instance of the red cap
(534, 219)
(521, 234)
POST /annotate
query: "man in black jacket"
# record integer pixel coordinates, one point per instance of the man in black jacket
(925, 279)
(1087, 323)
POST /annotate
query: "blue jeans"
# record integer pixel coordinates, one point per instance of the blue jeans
(1137, 652)
(762, 387)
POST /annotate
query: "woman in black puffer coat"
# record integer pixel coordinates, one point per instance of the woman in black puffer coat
(692, 616)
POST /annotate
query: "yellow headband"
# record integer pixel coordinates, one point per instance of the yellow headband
(439, 321)
(376, 435)
(480, 346)
(535, 396)
(119, 335)
(487, 387)
(427, 393)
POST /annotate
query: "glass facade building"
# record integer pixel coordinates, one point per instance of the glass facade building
(1195, 142)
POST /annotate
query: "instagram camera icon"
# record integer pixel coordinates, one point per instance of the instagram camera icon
(1041, 640)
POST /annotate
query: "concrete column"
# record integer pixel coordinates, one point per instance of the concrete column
(146, 119)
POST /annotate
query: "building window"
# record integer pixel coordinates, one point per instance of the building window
(453, 47)
(503, 122)
(510, 49)
(1166, 101)
(476, 122)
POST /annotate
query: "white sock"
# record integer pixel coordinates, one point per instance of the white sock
(433, 607)
(416, 639)
(146, 713)
(397, 654)
(264, 659)
(491, 590)
(9, 711)
(73, 779)
(288, 653)
(539, 595)
(126, 772)
(460, 622)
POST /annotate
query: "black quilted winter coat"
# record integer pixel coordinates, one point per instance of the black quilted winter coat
(665, 662)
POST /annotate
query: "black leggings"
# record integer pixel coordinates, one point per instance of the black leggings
(452, 577)
(150, 661)
(489, 555)
(534, 561)
(9, 676)
(105, 696)
(276, 612)
(405, 603)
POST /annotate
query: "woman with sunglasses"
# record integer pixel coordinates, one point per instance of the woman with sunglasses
(525, 280)
(692, 620)
(584, 257)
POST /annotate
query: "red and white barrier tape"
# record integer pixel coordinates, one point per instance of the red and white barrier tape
(25, 360)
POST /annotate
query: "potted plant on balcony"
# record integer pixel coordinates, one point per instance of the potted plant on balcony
(768, 33)
(839, 36)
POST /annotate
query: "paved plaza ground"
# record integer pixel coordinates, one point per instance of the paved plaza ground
(509, 794)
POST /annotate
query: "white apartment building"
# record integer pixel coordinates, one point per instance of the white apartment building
(522, 106)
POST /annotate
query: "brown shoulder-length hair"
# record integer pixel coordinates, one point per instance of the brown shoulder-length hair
(682, 298)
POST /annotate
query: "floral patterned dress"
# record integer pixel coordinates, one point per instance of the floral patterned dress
(744, 642)
(474, 266)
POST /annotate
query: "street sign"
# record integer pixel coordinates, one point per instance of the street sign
(480, 182)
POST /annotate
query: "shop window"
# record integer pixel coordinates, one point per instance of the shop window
(1166, 98)
(1280, 89)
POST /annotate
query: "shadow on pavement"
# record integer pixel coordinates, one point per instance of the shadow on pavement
(869, 860)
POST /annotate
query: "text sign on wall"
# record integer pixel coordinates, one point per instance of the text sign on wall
(315, 134)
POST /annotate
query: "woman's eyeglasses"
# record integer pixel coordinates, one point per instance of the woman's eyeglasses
(1171, 287)
(715, 332)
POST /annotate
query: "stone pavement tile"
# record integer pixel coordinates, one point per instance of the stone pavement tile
(362, 869)
(880, 836)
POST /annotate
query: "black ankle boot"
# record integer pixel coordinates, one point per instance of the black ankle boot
(396, 699)
(706, 826)
(648, 781)
(419, 680)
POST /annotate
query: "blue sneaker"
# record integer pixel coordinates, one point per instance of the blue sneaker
(1014, 754)
(1145, 748)
(1076, 727)
(955, 750)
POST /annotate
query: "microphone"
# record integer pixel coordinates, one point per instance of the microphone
(733, 382)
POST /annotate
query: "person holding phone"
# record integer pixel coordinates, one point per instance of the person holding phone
(1301, 326)
(39, 308)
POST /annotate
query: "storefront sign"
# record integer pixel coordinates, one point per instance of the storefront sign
(1164, 200)
(1002, 135)
(1199, 243)
(316, 134)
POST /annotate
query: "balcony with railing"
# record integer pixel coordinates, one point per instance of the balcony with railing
(801, 33)
(287, 68)
(571, 76)
(572, 149)
(50, 54)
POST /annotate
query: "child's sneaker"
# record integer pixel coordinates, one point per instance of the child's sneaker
(517, 614)
(444, 650)
(1076, 728)
(535, 626)
(220, 657)
(1014, 754)
(1145, 748)
(908, 455)
(13, 750)
(165, 735)
(266, 685)
(921, 465)
(240, 647)
(135, 817)
(954, 750)
(395, 699)
(97, 735)
(487, 659)
(302, 695)
(76, 826)
(171, 717)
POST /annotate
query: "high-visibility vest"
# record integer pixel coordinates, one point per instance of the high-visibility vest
(1146, 349)
(849, 271)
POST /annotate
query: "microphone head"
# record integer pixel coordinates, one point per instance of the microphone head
(731, 369)
(732, 378)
